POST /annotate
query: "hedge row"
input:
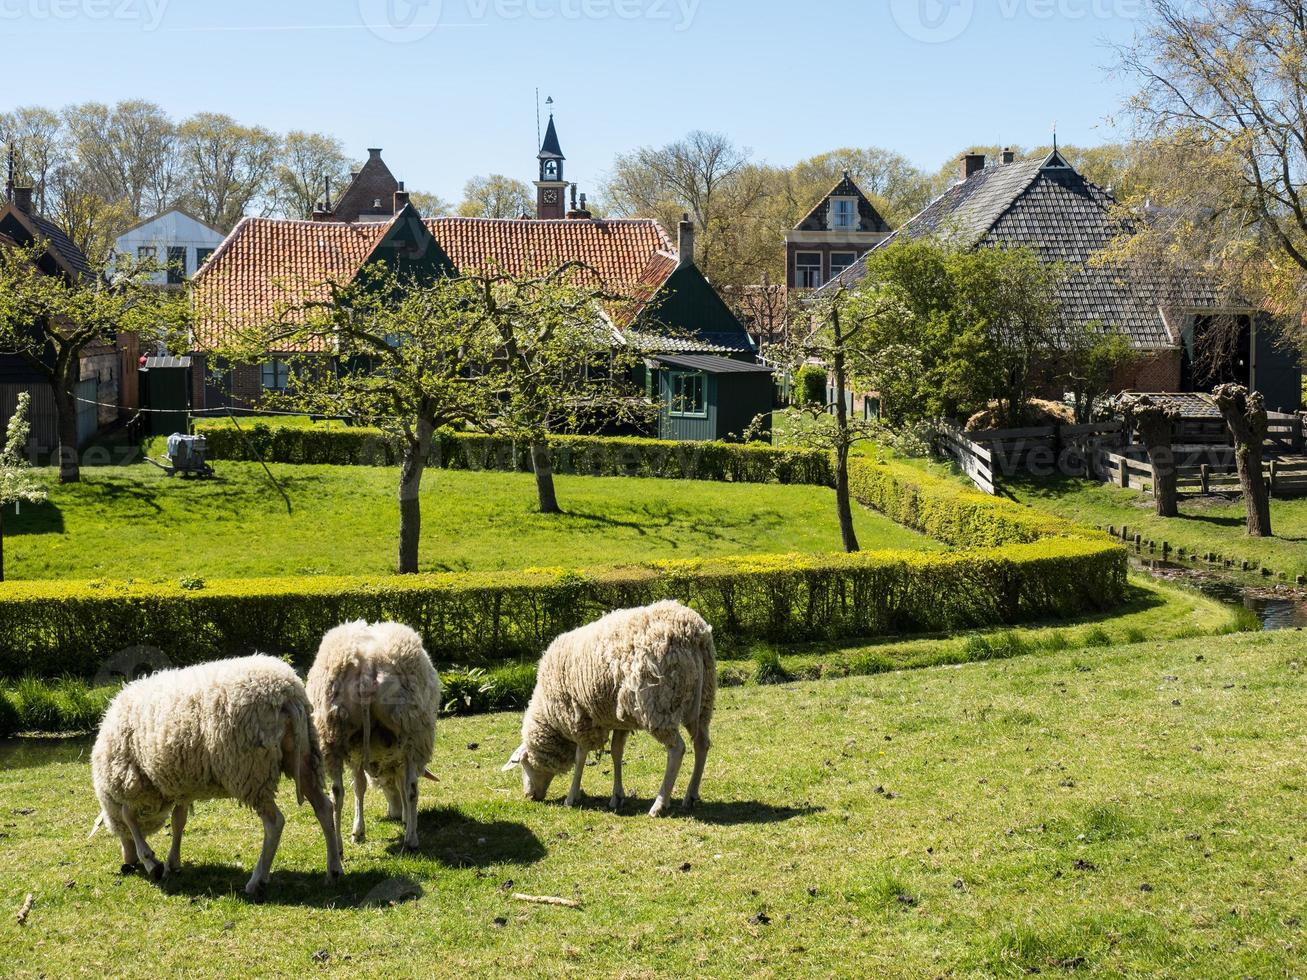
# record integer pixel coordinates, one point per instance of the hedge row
(1030, 567)
(583, 455)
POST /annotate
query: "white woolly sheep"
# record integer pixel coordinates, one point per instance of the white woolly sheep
(221, 730)
(651, 669)
(375, 697)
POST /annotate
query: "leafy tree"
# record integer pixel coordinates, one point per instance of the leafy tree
(229, 167)
(49, 318)
(496, 196)
(1091, 357)
(557, 368)
(894, 185)
(304, 162)
(1222, 101)
(430, 205)
(18, 484)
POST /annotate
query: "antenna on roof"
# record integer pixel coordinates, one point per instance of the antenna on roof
(326, 204)
(538, 140)
(9, 184)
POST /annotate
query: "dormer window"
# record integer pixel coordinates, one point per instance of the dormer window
(843, 214)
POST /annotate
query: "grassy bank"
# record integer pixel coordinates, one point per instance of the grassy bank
(1153, 611)
(1137, 812)
(133, 522)
(1204, 525)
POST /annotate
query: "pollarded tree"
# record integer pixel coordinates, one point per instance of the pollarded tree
(1155, 420)
(1245, 415)
(49, 316)
(559, 366)
(411, 358)
(18, 484)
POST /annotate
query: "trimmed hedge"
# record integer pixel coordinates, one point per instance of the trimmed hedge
(584, 455)
(1031, 567)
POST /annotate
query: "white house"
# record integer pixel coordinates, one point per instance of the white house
(175, 240)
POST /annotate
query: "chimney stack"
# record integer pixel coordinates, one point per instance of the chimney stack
(22, 199)
(401, 198)
(972, 164)
(685, 242)
(1009, 155)
(374, 153)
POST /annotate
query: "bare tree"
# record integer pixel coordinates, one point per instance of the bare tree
(1155, 420)
(37, 136)
(125, 152)
(1245, 414)
(1223, 99)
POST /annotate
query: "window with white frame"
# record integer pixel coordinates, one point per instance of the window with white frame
(147, 253)
(689, 396)
(807, 270)
(844, 213)
(839, 261)
(276, 375)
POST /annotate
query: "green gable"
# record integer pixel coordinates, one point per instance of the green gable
(688, 305)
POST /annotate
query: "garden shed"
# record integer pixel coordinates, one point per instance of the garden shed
(703, 397)
(166, 394)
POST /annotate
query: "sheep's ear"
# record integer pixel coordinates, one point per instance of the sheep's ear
(515, 759)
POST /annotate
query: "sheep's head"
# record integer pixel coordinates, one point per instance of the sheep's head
(541, 757)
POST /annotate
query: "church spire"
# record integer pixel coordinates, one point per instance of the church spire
(551, 188)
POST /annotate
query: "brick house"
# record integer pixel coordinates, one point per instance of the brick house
(1047, 206)
(842, 227)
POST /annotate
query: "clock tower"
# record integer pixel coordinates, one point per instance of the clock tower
(551, 188)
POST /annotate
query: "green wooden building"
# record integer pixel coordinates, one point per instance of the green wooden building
(704, 397)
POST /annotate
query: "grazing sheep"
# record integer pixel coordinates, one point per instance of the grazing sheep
(375, 697)
(229, 729)
(651, 669)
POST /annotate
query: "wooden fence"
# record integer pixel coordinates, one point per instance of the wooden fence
(972, 458)
(1208, 470)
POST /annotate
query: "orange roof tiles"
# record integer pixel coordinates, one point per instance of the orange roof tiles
(266, 263)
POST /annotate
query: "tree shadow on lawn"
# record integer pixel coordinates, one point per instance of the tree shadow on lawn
(458, 841)
(34, 519)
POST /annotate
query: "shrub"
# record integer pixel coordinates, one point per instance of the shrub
(810, 385)
(1098, 637)
(9, 718)
(869, 664)
(584, 455)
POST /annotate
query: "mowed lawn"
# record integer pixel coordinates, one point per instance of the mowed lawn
(134, 522)
(1205, 525)
(1127, 811)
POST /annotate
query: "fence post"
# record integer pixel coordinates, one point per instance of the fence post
(1275, 472)
(1125, 472)
(1205, 479)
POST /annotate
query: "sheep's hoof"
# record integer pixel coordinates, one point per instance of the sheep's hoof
(257, 891)
(334, 875)
(412, 845)
(660, 808)
(156, 870)
(358, 837)
(615, 802)
(689, 803)
(129, 869)
(572, 801)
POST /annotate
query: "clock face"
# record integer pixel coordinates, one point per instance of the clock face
(551, 197)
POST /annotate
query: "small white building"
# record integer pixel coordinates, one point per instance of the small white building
(175, 240)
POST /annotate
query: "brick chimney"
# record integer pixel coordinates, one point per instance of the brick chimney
(401, 198)
(22, 199)
(685, 242)
(578, 211)
(1009, 155)
(972, 164)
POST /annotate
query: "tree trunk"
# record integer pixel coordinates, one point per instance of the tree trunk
(412, 467)
(1245, 415)
(2, 543)
(842, 502)
(1154, 420)
(543, 466)
(65, 404)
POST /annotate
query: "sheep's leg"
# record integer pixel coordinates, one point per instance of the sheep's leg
(394, 800)
(179, 815)
(273, 822)
(323, 810)
(574, 794)
(152, 865)
(360, 788)
(675, 753)
(336, 770)
(699, 738)
(410, 807)
(130, 860)
(619, 746)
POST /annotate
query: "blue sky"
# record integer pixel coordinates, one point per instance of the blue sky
(447, 87)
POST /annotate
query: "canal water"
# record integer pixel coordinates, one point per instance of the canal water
(1278, 607)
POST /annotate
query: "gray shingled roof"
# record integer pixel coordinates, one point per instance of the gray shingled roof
(714, 365)
(1050, 208)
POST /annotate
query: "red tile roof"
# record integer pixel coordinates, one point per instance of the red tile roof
(265, 263)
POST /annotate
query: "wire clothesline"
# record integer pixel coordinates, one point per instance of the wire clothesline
(248, 412)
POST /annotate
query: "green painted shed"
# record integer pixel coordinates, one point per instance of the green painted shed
(706, 398)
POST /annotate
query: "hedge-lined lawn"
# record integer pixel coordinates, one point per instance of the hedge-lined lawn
(1204, 525)
(1132, 811)
(133, 522)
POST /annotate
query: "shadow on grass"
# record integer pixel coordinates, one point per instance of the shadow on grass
(740, 812)
(34, 519)
(458, 841)
(305, 889)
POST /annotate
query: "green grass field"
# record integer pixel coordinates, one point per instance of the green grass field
(1126, 811)
(133, 522)
(1204, 525)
